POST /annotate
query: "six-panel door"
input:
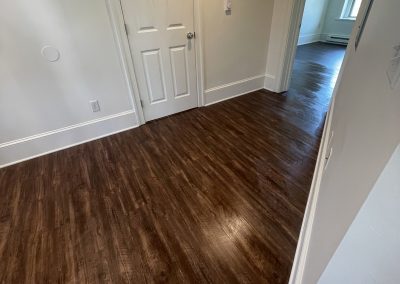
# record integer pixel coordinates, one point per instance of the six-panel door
(163, 55)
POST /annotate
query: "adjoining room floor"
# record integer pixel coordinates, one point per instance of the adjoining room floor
(215, 194)
(315, 72)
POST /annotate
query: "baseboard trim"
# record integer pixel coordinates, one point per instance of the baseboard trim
(303, 244)
(269, 83)
(310, 38)
(232, 90)
(48, 142)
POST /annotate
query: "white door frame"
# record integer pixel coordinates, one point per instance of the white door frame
(121, 39)
(115, 8)
(293, 34)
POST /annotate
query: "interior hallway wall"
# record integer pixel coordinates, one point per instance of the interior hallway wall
(370, 250)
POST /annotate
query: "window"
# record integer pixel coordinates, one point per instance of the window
(350, 9)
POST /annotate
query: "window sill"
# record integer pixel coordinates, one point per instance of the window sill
(346, 19)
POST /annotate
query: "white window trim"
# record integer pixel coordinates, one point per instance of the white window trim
(348, 5)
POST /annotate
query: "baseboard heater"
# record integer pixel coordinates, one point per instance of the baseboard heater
(338, 39)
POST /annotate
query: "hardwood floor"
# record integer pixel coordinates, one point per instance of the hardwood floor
(212, 195)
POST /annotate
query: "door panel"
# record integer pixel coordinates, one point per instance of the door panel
(164, 58)
(154, 76)
(180, 71)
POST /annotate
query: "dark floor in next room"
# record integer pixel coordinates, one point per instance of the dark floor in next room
(212, 195)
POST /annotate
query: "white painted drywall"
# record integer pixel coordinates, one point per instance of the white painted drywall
(332, 22)
(313, 21)
(235, 45)
(277, 43)
(365, 124)
(370, 250)
(38, 96)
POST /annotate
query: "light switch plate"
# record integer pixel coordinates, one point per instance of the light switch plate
(228, 5)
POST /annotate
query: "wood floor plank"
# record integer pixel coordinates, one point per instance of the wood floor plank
(211, 195)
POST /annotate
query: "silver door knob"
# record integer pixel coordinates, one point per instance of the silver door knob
(190, 35)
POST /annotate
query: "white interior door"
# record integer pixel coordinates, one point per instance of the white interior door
(163, 54)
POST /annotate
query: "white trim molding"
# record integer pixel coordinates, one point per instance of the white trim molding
(299, 263)
(235, 89)
(199, 45)
(48, 142)
(116, 15)
(269, 83)
(310, 38)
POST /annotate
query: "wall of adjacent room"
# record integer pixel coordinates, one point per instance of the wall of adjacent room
(333, 24)
(323, 18)
(313, 21)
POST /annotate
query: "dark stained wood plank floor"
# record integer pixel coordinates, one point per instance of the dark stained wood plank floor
(212, 195)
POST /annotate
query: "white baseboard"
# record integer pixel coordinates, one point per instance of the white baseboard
(38, 145)
(235, 89)
(310, 38)
(269, 83)
(299, 262)
(323, 37)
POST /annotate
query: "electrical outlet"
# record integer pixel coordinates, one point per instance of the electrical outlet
(95, 105)
(393, 70)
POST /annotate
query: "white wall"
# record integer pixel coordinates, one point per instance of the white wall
(370, 250)
(333, 24)
(313, 21)
(45, 105)
(235, 46)
(322, 18)
(365, 124)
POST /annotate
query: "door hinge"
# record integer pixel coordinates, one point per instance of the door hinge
(126, 29)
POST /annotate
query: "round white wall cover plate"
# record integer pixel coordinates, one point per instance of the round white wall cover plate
(51, 53)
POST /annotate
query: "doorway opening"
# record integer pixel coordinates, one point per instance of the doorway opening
(325, 31)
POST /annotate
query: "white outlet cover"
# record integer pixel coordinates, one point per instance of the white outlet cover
(393, 70)
(95, 105)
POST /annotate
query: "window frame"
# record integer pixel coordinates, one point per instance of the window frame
(346, 11)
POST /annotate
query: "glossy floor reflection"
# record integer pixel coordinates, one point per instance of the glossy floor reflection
(315, 72)
(212, 195)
